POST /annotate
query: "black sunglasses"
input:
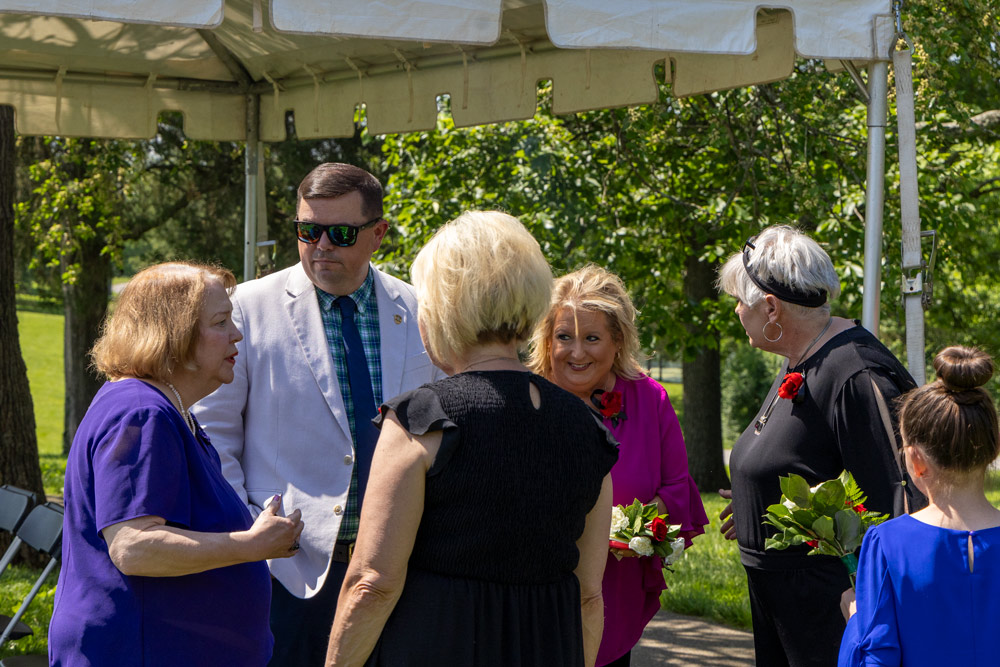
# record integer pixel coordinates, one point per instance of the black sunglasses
(340, 235)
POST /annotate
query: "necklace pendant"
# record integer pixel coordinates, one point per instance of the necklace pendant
(760, 423)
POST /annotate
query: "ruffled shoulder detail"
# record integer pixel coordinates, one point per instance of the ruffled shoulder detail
(419, 411)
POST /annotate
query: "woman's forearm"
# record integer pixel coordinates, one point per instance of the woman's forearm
(362, 610)
(147, 547)
(164, 551)
(593, 627)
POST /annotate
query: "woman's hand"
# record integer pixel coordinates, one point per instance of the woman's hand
(728, 527)
(274, 536)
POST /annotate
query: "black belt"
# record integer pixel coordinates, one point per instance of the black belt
(342, 552)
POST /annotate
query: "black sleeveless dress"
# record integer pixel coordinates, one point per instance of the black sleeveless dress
(490, 580)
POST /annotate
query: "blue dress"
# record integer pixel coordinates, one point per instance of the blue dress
(133, 456)
(919, 604)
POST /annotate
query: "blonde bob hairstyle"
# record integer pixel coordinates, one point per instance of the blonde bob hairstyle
(154, 326)
(481, 279)
(597, 290)
(788, 256)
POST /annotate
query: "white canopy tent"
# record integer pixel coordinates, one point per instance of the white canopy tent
(234, 68)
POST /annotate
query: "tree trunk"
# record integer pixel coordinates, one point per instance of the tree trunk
(85, 303)
(703, 389)
(18, 444)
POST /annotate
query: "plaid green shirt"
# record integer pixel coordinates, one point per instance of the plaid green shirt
(367, 321)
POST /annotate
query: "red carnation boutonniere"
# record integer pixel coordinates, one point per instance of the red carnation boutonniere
(609, 404)
(791, 384)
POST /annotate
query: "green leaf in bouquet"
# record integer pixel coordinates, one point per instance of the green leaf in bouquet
(854, 494)
(796, 529)
(823, 526)
(774, 543)
(829, 497)
(778, 509)
(796, 489)
(795, 538)
(804, 517)
(849, 532)
(649, 512)
(674, 532)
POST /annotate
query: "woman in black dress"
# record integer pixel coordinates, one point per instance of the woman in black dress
(830, 421)
(484, 532)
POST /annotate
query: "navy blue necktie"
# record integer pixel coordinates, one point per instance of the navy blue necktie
(362, 396)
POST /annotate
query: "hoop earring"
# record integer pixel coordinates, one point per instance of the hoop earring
(781, 332)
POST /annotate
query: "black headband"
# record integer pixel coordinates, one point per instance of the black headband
(781, 290)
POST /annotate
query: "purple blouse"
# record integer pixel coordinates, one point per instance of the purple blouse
(652, 461)
(134, 456)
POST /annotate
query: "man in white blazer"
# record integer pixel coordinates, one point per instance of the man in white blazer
(283, 426)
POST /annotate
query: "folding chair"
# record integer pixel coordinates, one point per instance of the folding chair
(41, 530)
(15, 505)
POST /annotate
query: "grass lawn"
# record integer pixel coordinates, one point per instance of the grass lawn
(17, 582)
(709, 580)
(42, 347)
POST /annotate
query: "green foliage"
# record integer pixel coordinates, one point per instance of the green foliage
(70, 200)
(747, 374)
(17, 582)
(830, 516)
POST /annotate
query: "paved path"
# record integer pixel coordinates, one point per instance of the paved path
(672, 639)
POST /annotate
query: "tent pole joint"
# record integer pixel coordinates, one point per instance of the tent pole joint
(920, 279)
(859, 82)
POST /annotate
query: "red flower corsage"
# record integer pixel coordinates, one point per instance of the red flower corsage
(609, 404)
(790, 386)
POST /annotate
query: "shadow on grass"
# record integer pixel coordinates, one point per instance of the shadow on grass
(39, 304)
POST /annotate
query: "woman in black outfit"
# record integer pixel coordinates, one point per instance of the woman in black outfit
(829, 423)
(485, 528)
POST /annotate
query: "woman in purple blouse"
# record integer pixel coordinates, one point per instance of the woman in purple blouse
(588, 343)
(160, 557)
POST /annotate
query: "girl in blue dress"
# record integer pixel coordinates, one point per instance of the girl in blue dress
(928, 587)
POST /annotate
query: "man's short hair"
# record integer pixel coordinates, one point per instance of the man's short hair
(336, 179)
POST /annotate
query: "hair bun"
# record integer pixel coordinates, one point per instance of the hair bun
(963, 368)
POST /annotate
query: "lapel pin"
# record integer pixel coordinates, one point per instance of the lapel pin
(397, 319)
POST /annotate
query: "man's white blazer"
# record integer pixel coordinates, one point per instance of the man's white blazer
(281, 427)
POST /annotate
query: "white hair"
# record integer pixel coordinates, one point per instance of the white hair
(786, 255)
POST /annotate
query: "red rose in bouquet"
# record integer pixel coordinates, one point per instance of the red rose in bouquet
(790, 385)
(659, 528)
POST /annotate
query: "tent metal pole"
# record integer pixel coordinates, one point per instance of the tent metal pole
(251, 153)
(878, 85)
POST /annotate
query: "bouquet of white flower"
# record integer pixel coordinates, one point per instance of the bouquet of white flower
(643, 530)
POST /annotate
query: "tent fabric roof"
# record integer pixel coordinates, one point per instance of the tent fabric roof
(109, 67)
